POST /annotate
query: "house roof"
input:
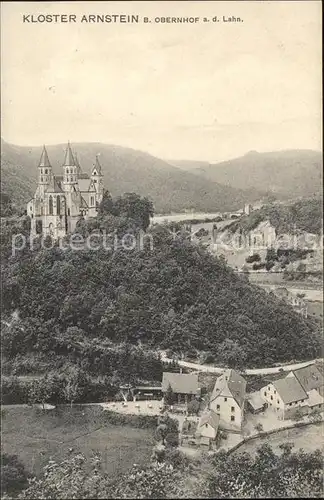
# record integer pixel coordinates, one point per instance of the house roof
(314, 398)
(230, 384)
(289, 389)
(255, 400)
(211, 418)
(181, 383)
(309, 377)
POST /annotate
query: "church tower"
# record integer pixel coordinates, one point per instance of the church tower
(70, 174)
(45, 173)
(97, 180)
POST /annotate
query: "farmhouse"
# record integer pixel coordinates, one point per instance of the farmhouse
(207, 427)
(227, 400)
(301, 389)
(184, 386)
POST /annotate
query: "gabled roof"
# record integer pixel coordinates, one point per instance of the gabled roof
(289, 389)
(84, 184)
(309, 377)
(44, 161)
(83, 203)
(181, 383)
(53, 186)
(230, 384)
(69, 158)
(209, 417)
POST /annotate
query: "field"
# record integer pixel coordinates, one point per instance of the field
(308, 438)
(37, 436)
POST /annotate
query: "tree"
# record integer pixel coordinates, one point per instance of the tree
(193, 407)
(133, 206)
(169, 396)
(258, 427)
(41, 391)
(106, 205)
(74, 384)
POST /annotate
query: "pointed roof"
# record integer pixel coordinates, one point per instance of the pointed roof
(69, 158)
(77, 163)
(230, 384)
(44, 161)
(97, 165)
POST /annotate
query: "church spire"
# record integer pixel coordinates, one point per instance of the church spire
(69, 158)
(96, 167)
(44, 161)
(77, 163)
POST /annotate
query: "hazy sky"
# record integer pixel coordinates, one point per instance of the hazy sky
(206, 91)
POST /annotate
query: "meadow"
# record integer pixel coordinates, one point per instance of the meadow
(37, 436)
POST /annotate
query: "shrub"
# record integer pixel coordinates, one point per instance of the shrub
(13, 474)
(253, 258)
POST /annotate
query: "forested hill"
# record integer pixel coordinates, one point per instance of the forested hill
(304, 215)
(170, 294)
(125, 170)
(286, 174)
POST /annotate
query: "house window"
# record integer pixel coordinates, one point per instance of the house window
(206, 425)
(265, 393)
(218, 407)
(232, 418)
(271, 397)
(225, 399)
(302, 400)
(269, 388)
(45, 170)
(278, 401)
(274, 392)
(232, 408)
(290, 404)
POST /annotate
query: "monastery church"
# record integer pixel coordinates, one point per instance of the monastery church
(60, 200)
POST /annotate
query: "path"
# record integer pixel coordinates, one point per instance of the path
(249, 371)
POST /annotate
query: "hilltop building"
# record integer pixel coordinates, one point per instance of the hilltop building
(60, 200)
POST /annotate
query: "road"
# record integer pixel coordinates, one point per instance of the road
(249, 371)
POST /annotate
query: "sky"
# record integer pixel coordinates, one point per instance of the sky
(202, 91)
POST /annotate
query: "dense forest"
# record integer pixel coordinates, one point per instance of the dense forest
(303, 215)
(107, 310)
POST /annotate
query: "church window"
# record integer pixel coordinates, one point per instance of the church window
(50, 205)
(46, 171)
(92, 201)
(69, 211)
(71, 178)
(58, 205)
(67, 171)
(42, 179)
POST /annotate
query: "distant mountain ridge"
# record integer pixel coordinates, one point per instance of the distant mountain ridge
(125, 170)
(287, 174)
